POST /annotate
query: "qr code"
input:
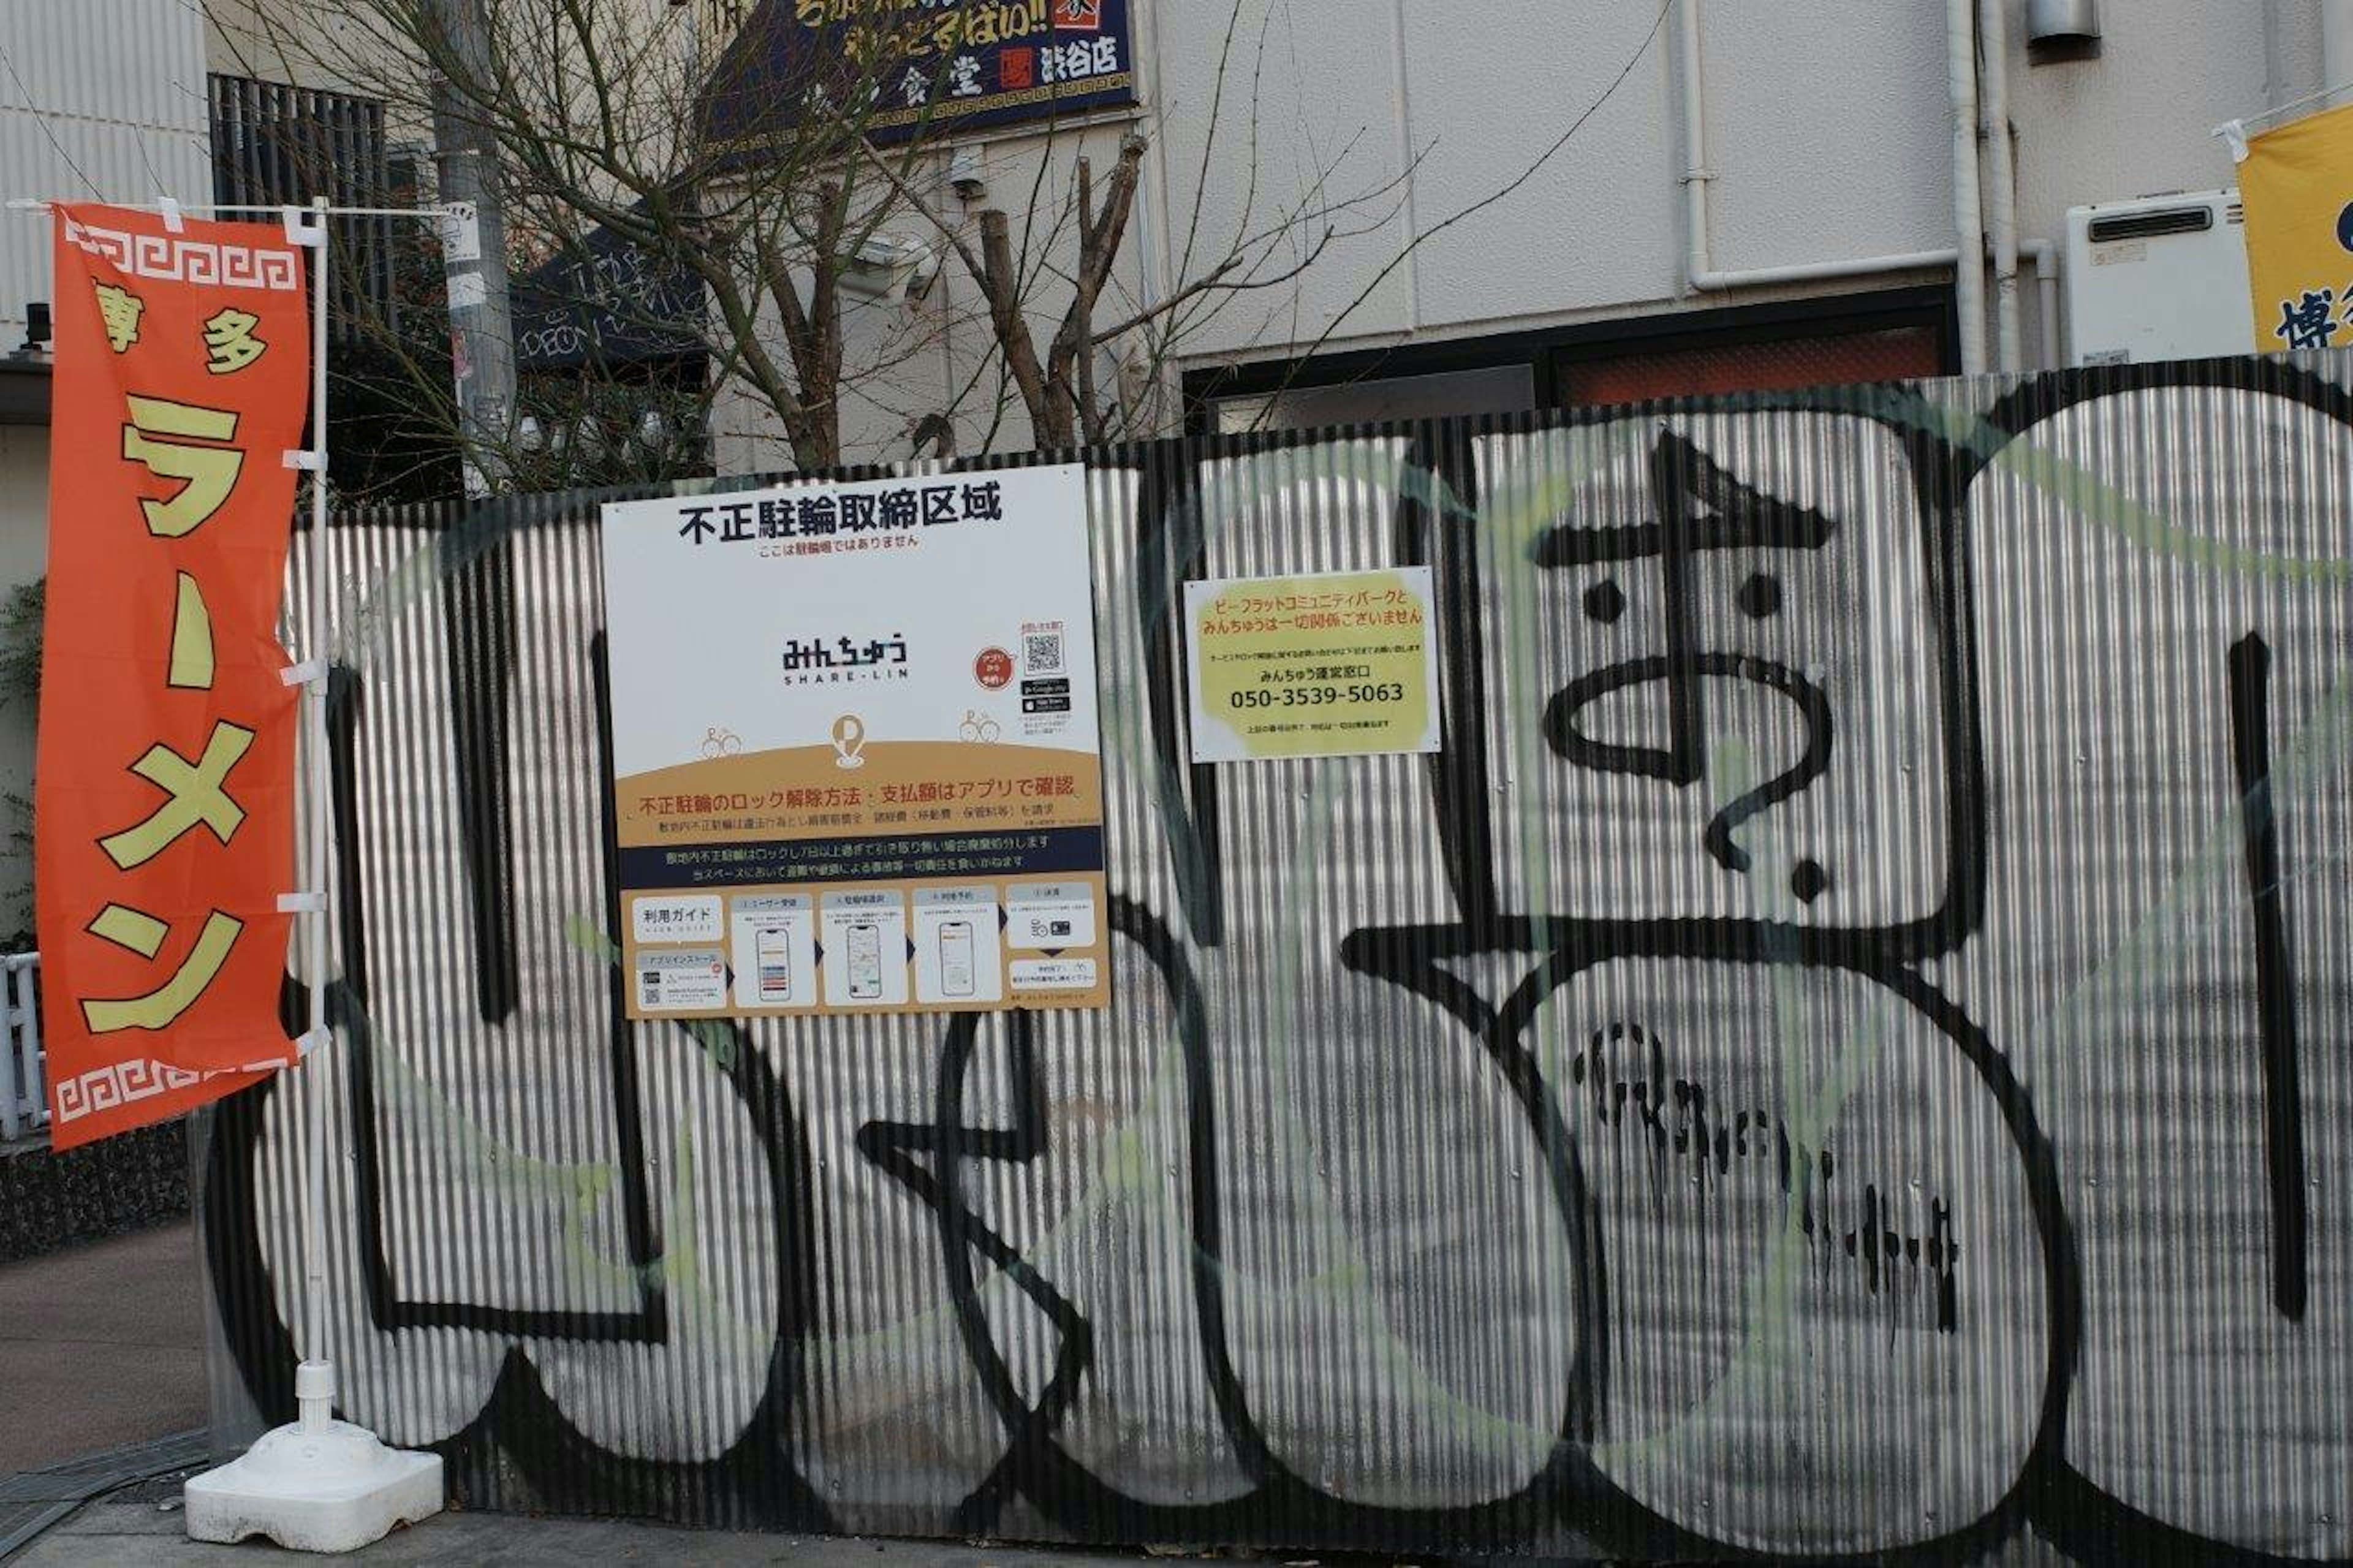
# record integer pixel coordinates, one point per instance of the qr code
(1041, 652)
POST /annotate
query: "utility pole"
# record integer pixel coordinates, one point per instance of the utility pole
(474, 240)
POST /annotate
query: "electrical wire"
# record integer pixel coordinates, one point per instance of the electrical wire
(40, 118)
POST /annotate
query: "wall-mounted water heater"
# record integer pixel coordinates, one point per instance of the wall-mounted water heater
(2158, 278)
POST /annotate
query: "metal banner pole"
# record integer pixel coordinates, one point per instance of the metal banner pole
(318, 1484)
(317, 1403)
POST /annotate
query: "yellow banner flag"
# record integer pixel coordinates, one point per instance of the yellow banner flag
(2297, 188)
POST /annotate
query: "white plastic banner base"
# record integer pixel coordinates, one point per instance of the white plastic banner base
(315, 1485)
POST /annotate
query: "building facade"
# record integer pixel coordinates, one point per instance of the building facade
(1528, 206)
(103, 102)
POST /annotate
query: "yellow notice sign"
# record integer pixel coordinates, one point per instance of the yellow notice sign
(2296, 185)
(1336, 665)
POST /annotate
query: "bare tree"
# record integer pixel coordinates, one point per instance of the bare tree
(594, 112)
(608, 119)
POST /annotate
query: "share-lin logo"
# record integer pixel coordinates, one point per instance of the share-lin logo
(1078, 15)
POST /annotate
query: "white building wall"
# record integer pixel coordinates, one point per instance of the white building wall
(1391, 91)
(1829, 139)
(100, 100)
(2139, 120)
(1828, 128)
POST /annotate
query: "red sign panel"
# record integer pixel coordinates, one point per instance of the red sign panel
(163, 793)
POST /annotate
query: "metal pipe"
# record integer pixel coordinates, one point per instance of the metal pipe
(2043, 257)
(2274, 59)
(2001, 174)
(1407, 215)
(1700, 273)
(1810, 271)
(1968, 216)
(1698, 268)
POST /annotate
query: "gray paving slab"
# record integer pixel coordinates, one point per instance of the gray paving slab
(34, 1501)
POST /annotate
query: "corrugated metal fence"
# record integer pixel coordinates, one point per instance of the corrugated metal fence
(1845, 1051)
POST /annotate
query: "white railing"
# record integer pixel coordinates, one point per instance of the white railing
(24, 1094)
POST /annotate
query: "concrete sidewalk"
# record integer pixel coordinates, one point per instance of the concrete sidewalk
(142, 1529)
(136, 1535)
(101, 1346)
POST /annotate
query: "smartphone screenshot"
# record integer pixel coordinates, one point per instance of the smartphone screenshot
(865, 961)
(955, 958)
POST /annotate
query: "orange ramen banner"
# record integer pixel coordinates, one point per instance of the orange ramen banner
(163, 796)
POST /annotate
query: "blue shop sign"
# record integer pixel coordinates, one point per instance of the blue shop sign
(932, 65)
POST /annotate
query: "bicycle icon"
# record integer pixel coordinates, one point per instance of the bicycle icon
(979, 729)
(718, 743)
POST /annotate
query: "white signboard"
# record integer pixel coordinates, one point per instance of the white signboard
(855, 744)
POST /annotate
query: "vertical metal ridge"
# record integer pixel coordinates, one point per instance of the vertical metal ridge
(1479, 1155)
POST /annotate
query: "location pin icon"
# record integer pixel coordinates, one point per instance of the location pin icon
(849, 742)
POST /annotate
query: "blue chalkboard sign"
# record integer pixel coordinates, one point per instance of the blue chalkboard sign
(605, 301)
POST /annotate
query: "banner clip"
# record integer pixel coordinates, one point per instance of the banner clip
(312, 1040)
(301, 904)
(309, 460)
(174, 223)
(301, 230)
(2234, 133)
(311, 672)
